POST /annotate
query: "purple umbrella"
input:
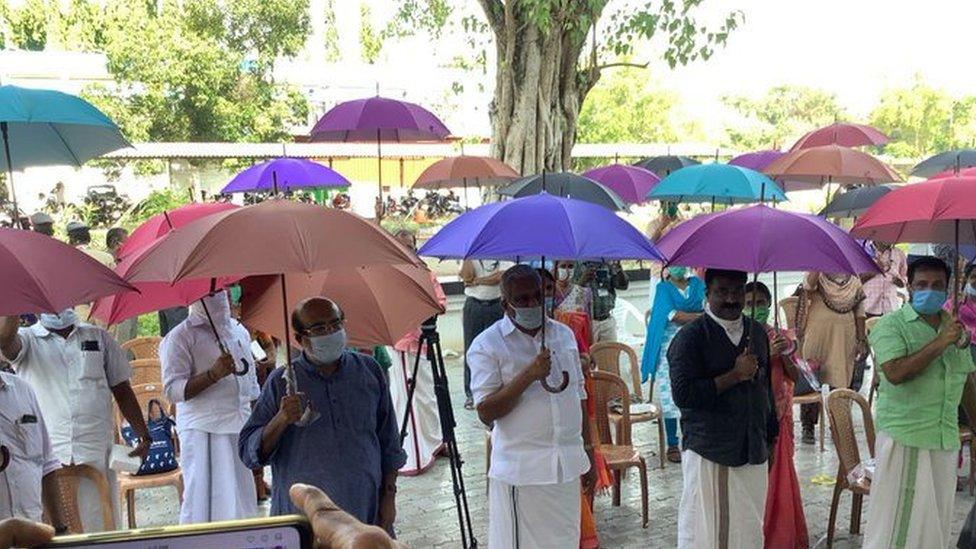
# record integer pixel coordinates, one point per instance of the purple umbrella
(285, 174)
(763, 239)
(536, 227)
(632, 183)
(757, 160)
(380, 119)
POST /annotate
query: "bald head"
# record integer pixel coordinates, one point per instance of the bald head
(313, 312)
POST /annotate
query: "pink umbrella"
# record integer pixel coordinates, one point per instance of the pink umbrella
(41, 274)
(632, 183)
(843, 134)
(158, 225)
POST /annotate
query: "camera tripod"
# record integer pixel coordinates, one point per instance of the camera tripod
(430, 344)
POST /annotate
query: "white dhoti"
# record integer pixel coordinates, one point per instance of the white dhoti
(531, 517)
(90, 501)
(423, 440)
(706, 519)
(912, 494)
(216, 484)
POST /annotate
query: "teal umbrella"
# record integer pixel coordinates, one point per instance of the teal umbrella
(51, 128)
(716, 183)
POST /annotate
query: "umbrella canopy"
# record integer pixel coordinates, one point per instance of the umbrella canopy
(930, 211)
(953, 172)
(843, 134)
(48, 128)
(273, 237)
(540, 226)
(757, 160)
(39, 274)
(381, 303)
(379, 118)
(629, 182)
(854, 202)
(160, 224)
(722, 183)
(567, 185)
(664, 165)
(461, 170)
(763, 239)
(831, 163)
(285, 174)
(949, 160)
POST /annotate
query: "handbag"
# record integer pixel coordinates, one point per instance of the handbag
(162, 451)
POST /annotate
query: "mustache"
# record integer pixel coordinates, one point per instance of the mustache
(731, 306)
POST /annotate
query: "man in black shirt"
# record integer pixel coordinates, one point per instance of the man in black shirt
(719, 366)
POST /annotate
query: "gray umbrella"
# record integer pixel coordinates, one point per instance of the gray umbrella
(664, 165)
(957, 159)
(567, 185)
(854, 202)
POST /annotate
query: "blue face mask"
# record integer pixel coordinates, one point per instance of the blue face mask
(529, 318)
(326, 349)
(62, 321)
(549, 304)
(928, 302)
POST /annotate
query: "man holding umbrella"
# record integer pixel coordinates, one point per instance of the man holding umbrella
(923, 354)
(538, 451)
(720, 379)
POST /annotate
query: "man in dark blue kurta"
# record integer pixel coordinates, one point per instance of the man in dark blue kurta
(351, 450)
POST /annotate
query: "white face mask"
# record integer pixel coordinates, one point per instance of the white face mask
(326, 349)
(217, 305)
(564, 273)
(61, 321)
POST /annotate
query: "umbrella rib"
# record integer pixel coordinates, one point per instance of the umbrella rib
(65, 143)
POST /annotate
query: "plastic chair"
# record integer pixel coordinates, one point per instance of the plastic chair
(69, 478)
(789, 306)
(621, 455)
(814, 398)
(628, 316)
(143, 347)
(839, 405)
(128, 484)
(146, 370)
(606, 356)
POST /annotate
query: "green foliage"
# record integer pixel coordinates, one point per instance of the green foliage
(370, 41)
(625, 108)
(157, 202)
(148, 325)
(781, 114)
(332, 53)
(30, 23)
(922, 120)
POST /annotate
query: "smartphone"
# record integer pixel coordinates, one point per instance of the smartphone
(283, 532)
(258, 352)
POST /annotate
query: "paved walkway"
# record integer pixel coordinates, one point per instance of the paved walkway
(427, 516)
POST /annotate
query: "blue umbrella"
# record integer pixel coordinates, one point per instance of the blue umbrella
(536, 227)
(721, 183)
(285, 174)
(50, 128)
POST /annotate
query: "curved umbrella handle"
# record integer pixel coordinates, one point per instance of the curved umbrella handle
(243, 372)
(562, 386)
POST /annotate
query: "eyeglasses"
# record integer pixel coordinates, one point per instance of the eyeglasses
(324, 328)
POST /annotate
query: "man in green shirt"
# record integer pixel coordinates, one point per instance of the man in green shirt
(923, 356)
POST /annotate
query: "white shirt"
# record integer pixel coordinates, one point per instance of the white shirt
(72, 378)
(24, 433)
(540, 441)
(190, 349)
(733, 328)
(483, 268)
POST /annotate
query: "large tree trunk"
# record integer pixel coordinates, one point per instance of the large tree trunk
(538, 94)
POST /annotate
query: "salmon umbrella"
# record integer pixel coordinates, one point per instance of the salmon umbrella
(275, 237)
(830, 164)
(381, 303)
(160, 224)
(843, 134)
(481, 170)
(41, 274)
(380, 119)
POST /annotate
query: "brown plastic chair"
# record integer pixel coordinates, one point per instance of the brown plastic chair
(143, 347)
(69, 478)
(145, 370)
(128, 484)
(621, 455)
(839, 405)
(789, 306)
(606, 356)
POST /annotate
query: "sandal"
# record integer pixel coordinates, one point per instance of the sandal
(673, 454)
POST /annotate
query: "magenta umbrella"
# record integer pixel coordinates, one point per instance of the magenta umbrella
(757, 160)
(39, 274)
(380, 119)
(631, 183)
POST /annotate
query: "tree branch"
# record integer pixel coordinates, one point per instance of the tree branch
(493, 12)
(623, 64)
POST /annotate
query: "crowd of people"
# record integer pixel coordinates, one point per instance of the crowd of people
(722, 367)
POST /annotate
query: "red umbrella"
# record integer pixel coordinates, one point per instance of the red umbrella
(831, 164)
(41, 274)
(843, 134)
(158, 225)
